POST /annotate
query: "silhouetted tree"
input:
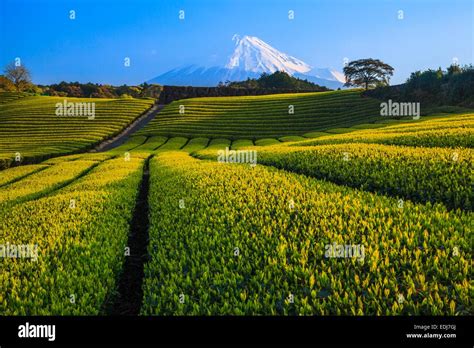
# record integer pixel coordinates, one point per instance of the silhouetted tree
(367, 73)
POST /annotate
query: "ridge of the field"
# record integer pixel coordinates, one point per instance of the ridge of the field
(30, 130)
(443, 127)
(258, 117)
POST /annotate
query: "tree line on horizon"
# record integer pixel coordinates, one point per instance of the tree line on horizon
(17, 78)
(453, 86)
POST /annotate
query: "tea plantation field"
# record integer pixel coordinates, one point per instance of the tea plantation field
(343, 213)
(30, 129)
(263, 116)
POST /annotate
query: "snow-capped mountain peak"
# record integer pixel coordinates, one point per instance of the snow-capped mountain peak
(253, 54)
(251, 58)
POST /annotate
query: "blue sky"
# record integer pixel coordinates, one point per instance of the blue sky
(93, 46)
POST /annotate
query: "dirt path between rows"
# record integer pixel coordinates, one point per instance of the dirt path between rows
(130, 291)
(136, 125)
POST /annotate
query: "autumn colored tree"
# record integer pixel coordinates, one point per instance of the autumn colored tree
(19, 75)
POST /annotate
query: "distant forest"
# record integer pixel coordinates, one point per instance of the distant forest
(453, 86)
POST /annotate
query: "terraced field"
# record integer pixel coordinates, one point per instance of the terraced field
(263, 116)
(30, 130)
(230, 238)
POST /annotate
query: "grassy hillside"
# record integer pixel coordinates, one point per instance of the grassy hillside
(263, 116)
(29, 125)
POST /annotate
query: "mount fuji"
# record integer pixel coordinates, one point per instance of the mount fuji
(250, 59)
